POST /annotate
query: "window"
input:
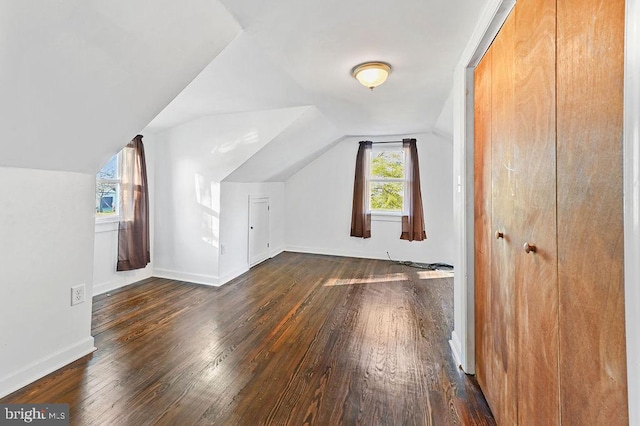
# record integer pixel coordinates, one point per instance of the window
(386, 180)
(108, 181)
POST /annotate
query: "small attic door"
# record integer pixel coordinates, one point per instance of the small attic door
(258, 229)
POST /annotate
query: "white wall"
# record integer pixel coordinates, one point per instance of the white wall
(319, 199)
(234, 222)
(191, 161)
(46, 247)
(187, 212)
(77, 77)
(105, 255)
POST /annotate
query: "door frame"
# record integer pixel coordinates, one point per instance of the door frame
(463, 336)
(268, 200)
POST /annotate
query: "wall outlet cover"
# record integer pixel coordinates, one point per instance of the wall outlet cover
(77, 294)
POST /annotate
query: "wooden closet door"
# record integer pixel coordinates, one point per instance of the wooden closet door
(484, 348)
(494, 298)
(535, 213)
(504, 168)
(590, 218)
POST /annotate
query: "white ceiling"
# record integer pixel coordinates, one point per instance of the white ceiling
(300, 53)
(294, 52)
(84, 76)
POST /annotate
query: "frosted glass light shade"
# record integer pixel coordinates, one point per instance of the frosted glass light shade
(371, 74)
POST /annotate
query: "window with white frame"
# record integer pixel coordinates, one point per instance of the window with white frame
(386, 179)
(108, 181)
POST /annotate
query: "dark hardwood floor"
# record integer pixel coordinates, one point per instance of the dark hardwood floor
(299, 339)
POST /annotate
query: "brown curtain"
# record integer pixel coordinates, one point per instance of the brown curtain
(133, 232)
(413, 216)
(360, 214)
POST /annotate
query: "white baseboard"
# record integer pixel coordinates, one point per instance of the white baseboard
(276, 251)
(244, 268)
(456, 350)
(336, 252)
(107, 286)
(123, 279)
(360, 254)
(203, 279)
(233, 274)
(44, 366)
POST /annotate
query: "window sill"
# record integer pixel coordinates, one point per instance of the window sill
(107, 224)
(386, 217)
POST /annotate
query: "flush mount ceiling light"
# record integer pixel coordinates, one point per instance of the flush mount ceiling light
(371, 74)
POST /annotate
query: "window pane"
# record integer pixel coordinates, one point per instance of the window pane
(387, 196)
(107, 195)
(108, 192)
(387, 164)
(109, 170)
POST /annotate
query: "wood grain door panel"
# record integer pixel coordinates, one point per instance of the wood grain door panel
(482, 227)
(551, 339)
(590, 218)
(503, 170)
(535, 210)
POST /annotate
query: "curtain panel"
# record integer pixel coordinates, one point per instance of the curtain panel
(413, 217)
(133, 230)
(360, 214)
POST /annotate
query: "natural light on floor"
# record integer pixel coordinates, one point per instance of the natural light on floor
(377, 279)
(426, 275)
(331, 282)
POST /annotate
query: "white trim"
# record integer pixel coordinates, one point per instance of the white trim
(44, 366)
(107, 286)
(243, 269)
(335, 252)
(103, 225)
(377, 216)
(454, 343)
(276, 251)
(210, 280)
(632, 204)
(339, 252)
(119, 279)
(123, 279)
(489, 24)
(233, 274)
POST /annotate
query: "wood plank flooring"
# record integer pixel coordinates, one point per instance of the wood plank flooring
(299, 339)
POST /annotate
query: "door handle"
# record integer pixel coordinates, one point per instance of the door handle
(528, 248)
(499, 235)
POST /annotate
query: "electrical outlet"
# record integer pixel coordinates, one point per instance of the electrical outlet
(77, 294)
(223, 249)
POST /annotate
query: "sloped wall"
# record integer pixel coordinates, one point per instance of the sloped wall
(78, 80)
(192, 160)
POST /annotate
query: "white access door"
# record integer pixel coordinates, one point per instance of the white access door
(258, 229)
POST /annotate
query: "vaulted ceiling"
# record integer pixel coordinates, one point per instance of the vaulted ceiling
(81, 76)
(295, 53)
